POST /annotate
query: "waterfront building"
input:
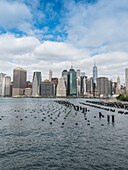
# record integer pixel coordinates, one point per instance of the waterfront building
(65, 76)
(72, 82)
(83, 83)
(84, 86)
(2, 84)
(110, 87)
(89, 86)
(28, 91)
(47, 89)
(11, 89)
(118, 83)
(78, 83)
(50, 75)
(19, 81)
(36, 84)
(7, 85)
(95, 76)
(126, 79)
(55, 81)
(102, 86)
(61, 88)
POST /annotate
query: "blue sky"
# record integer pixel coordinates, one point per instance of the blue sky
(55, 34)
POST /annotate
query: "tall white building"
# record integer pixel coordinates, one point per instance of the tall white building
(7, 85)
(61, 88)
(36, 84)
(126, 78)
(50, 75)
(2, 84)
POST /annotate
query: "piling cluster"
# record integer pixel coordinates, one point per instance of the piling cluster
(98, 107)
(114, 104)
(118, 105)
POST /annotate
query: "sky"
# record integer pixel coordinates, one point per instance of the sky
(40, 35)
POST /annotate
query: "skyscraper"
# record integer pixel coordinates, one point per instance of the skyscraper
(19, 81)
(72, 82)
(7, 85)
(61, 88)
(50, 75)
(36, 83)
(103, 86)
(126, 78)
(78, 83)
(89, 86)
(55, 81)
(83, 79)
(65, 76)
(118, 83)
(95, 74)
(2, 84)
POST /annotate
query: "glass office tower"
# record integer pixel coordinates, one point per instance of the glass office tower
(36, 84)
(72, 82)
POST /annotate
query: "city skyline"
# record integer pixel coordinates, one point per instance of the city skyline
(48, 77)
(54, 35)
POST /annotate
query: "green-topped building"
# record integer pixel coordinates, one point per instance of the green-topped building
(72, 82)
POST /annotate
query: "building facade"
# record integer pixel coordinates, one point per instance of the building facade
(28, 91)
(50, 75)
(118, 83)
(55, 81)
(72, 82)
(126, 79)
(19, 81)
(89, 86)
(7, 85)
(2, 84)
(65, 76)
(78, 83)
(36, 84)
(83, 79)
(47, 89)
(61, 88)
(102, 86)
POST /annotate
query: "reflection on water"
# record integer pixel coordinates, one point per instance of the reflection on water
(37, 134)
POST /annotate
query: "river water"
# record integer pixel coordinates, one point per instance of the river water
(37, 134)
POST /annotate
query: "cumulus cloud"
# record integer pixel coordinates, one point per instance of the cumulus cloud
(15, 15)
(98, 23)
(11, 45)
(32, 55)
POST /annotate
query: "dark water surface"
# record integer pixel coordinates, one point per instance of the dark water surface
(28, 141)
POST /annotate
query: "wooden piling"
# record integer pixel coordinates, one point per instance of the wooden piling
(108, 118)
(113, 119)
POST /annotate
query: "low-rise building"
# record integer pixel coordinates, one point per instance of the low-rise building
(47, 89)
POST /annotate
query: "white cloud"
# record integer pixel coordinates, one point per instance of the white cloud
(11, 45)
(32, 55)
(98, 23)
(15, 15)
